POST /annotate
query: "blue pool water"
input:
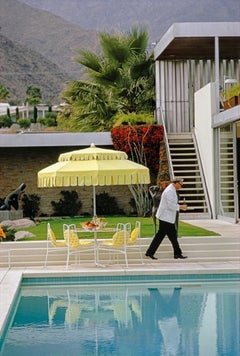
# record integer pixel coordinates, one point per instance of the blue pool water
(134, 316)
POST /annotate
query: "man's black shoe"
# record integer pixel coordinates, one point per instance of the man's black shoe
(180, 256)
(151, 256)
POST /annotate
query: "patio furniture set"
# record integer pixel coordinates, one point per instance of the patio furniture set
(124, 240)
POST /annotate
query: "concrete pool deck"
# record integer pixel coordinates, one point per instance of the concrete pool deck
(10, 278)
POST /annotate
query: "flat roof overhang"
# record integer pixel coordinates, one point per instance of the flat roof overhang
(197, 41)
(55, 139)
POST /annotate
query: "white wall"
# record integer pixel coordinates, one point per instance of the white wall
(204, 109)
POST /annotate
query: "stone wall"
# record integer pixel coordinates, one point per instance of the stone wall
(11, 215)
(20, 165)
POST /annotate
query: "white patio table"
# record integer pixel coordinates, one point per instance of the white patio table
(95, 232)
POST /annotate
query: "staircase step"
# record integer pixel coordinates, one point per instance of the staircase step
(193, 160)
(186, 172)
(181, 144)
(191, 167)
(182, 149)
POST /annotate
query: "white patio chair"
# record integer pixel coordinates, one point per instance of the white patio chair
(133, 242)
(53, 245)
(75, 246)
(118, 243)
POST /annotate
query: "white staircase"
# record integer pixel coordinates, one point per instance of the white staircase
(185, 164)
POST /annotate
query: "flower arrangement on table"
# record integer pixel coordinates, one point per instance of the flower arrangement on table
(95, 224)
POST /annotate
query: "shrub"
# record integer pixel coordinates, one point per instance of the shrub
(41, 120)
(140, 142)
(49, 119)
(234, 90)
(107, 205)
(51, 115)
(68, 206)
(31, 204)
(5, 121)
(133, 119)
(24, 123)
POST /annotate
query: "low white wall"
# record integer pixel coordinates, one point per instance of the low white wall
(204, 109)
(11, 215)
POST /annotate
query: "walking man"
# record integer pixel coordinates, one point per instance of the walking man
(166, 213)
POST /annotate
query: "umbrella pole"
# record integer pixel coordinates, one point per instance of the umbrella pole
(94, 202)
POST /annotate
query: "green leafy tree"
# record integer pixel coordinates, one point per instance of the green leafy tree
(120, 79)
(4, 93)
(34, 95)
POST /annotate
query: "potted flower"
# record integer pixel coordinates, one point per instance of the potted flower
(232, 96)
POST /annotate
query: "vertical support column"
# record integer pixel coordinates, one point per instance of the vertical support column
(216, 49)
(216, 133)
(157, 90)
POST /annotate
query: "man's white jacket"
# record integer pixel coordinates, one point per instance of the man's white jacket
(168, 206)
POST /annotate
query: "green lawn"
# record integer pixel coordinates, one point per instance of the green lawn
(147, 228)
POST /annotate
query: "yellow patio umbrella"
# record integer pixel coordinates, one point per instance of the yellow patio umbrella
(93, 166)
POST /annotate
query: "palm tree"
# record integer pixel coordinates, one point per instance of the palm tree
(121, 79)
(89, 109)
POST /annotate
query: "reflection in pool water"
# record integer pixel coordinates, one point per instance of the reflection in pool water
(126, 319)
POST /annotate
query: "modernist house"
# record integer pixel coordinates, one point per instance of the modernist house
(194, 63)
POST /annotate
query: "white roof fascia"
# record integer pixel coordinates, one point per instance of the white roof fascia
(196, 29)
(55, 139)
(226, 117)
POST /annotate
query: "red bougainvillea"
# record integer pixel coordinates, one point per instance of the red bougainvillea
(163, 177)
(141, 142)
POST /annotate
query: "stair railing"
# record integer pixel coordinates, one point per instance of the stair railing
(161, 120)
(202, 174)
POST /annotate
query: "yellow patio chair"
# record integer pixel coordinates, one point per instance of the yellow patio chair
(75, 246)
(53, 245)
(72, 311)
(133, 242)
(118, 242)
(54, 306)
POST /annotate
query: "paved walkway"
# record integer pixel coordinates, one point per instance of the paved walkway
(224, 228)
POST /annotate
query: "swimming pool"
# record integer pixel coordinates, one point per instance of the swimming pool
(143, 316)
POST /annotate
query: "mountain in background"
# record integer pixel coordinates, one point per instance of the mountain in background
(39, 38)
(156, 15)
(21, 67)
(46, 44)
